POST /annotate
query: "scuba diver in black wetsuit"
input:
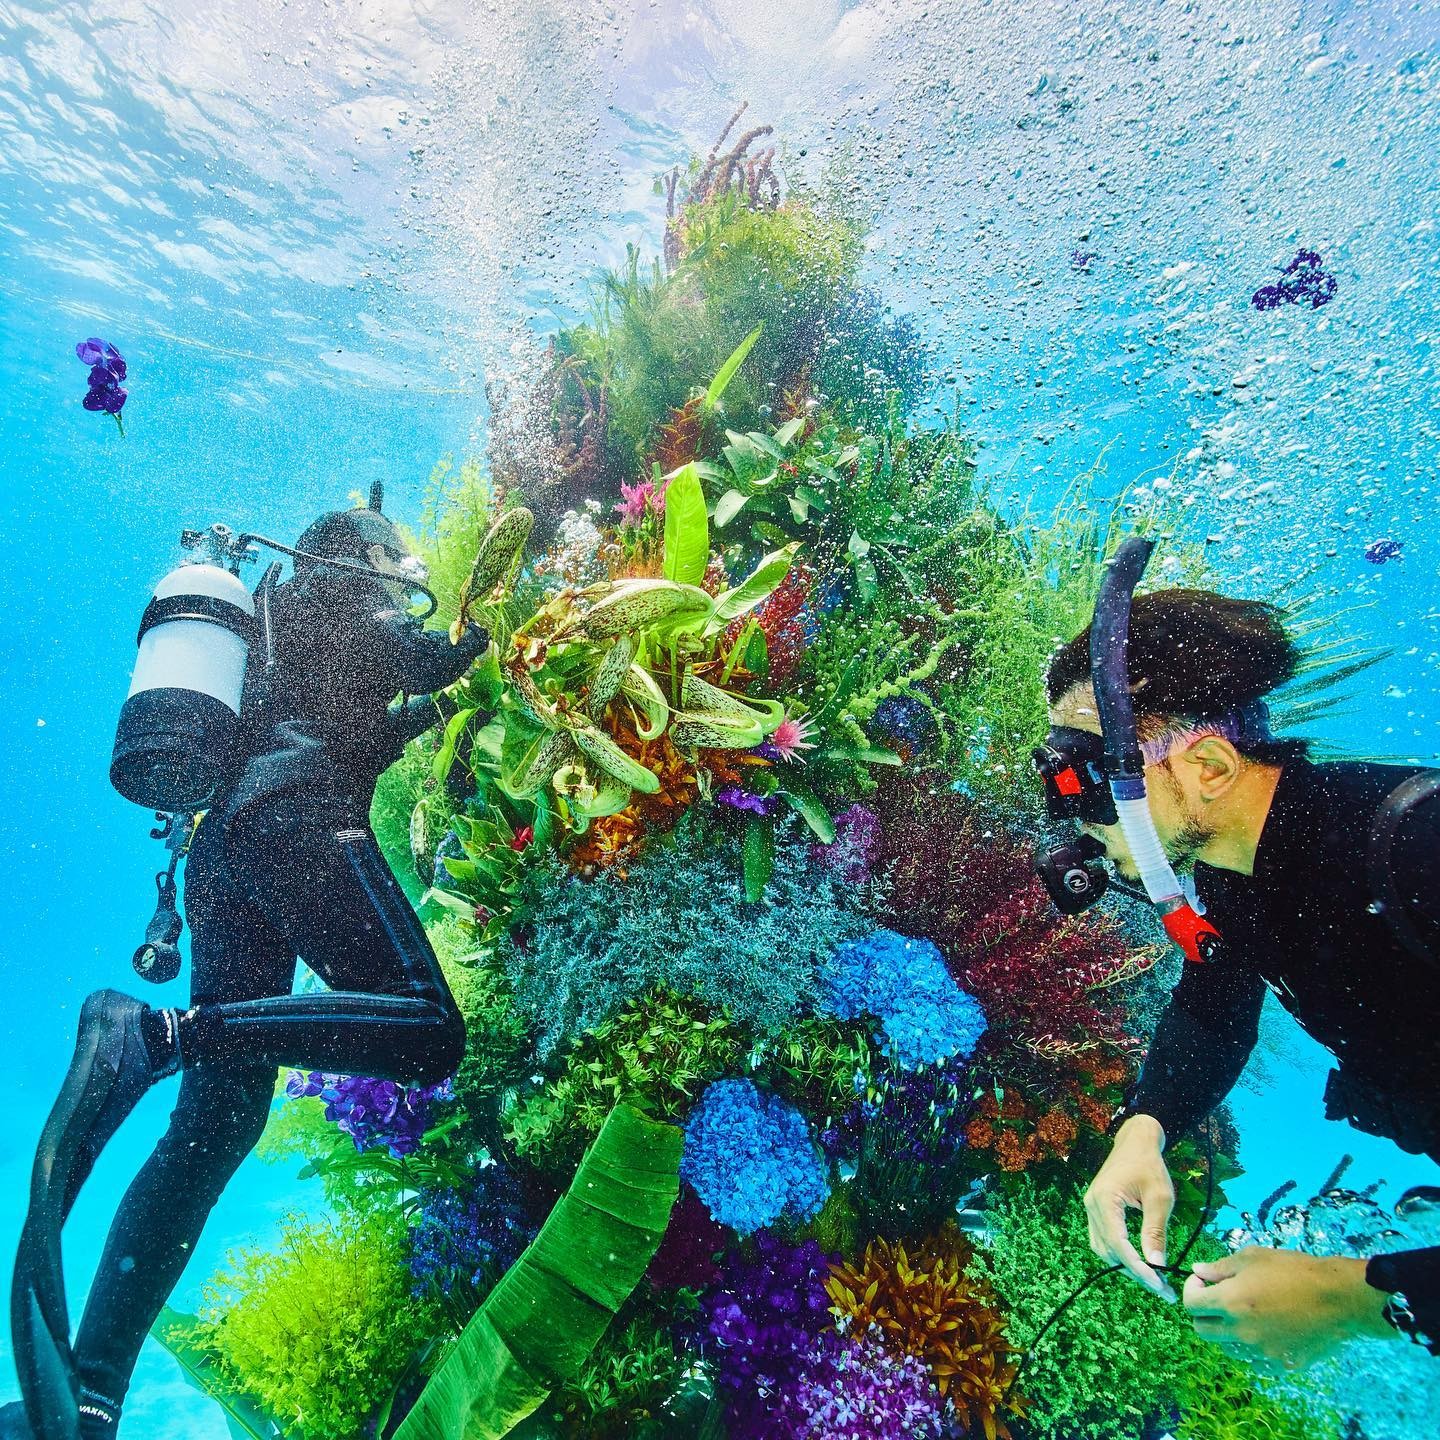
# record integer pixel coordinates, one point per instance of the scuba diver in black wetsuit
(1320, 882)
(283, 865)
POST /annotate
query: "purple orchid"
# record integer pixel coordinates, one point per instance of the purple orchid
(107, 370)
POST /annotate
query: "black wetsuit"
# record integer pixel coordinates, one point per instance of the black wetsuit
(1304, 925)
(285, 866)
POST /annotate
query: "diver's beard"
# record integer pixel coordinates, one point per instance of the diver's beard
(1184, 847)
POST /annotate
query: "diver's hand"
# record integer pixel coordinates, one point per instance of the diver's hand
(1133, 1177)
(1284, 1307)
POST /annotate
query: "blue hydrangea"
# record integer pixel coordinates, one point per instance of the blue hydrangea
(751, 1159)
(925, 1016)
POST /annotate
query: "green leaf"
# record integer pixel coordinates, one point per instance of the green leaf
(758, 851)
(758, 586)
(445, 756)
(546, 1315)
(613, 760)
(485, 684)
(727, 507)
(788, 431)
(812, 811)
(247, 1421)
(687, 528)
(726, 373)
(859, 547)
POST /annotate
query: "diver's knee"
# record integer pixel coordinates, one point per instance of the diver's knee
(444, 1051)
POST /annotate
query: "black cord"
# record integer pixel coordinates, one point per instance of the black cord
(1206, 1215)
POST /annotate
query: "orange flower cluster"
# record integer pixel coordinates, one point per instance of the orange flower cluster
(1023, 1128)
(922, 1303)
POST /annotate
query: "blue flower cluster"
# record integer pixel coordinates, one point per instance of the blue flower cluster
(751, 1159)
(926, 1017)
(465, 1240)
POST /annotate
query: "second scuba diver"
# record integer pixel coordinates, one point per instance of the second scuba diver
(283, 865)
(1323, 883)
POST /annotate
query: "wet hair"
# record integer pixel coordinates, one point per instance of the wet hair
(1195, 654)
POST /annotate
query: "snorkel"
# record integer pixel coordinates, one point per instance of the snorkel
(1124, 762)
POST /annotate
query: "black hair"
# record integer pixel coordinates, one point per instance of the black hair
(1195, 654)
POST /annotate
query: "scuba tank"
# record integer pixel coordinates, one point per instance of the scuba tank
(178, 728)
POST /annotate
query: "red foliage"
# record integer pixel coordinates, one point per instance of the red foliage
(972, 890)
(782, 621)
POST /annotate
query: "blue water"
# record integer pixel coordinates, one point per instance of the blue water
(316, 230)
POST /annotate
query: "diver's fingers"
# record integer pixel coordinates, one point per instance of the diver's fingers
(1211, 1271)
(1155, 1206)
(1119, 1250)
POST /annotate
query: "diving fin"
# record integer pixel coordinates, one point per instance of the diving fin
(110, 1071)
(13, 1424)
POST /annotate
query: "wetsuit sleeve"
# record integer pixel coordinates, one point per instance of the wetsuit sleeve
(1415, 864)
(419, 713)
(422, 660)
(1200, 1046)
(1416, 1275)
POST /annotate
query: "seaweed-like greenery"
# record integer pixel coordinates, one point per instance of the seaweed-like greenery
(498, 1047)
(658, 1052)
(924, 1301)
(628, 1384)
(819, 1065)
(320, 1329)
(681, 918)
(1221, 1400)
(1117, 1358)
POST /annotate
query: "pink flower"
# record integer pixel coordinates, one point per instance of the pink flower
(787, 740)
(640, 500)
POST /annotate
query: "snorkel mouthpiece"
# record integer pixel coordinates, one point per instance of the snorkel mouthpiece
(1124, 762)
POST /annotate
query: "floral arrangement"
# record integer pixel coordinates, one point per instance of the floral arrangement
(728, 838)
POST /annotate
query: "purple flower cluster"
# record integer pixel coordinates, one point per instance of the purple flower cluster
(107, 370)
(1303, 279)
(464, 1241)
(906, 721)
(860, 1391)
(919, 1114)
(750, 1158)
(763, 1326)
(857, 841)
(372, 1112)
(926, 1017)
(738, 799)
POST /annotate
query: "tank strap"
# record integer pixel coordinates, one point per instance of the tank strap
(1407, 796)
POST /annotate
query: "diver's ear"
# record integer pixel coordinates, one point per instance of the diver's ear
(1217, 765)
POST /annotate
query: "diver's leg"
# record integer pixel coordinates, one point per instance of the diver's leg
(220, 1113)
(322, 883)
(217, 1120)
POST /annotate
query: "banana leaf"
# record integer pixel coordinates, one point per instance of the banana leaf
(245, 1419)
(552, 1306)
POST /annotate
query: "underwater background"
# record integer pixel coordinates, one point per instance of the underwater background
(332, 240)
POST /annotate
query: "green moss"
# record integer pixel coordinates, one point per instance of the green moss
(320, 1329)
(1117, 1358)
